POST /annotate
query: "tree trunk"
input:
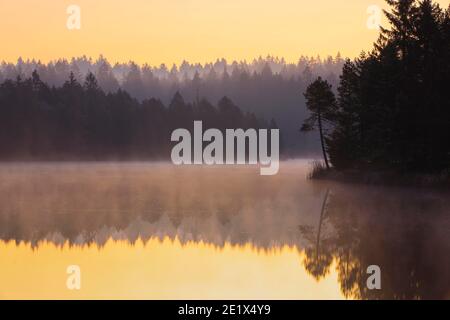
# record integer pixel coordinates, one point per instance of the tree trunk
(319, 229)
(322, 141)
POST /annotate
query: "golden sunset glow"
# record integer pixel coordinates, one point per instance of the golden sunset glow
(169, 31)
(224, 150)
(159, 270)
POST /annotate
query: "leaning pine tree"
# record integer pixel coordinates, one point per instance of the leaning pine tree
(321, 102)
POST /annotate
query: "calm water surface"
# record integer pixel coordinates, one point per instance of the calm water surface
(140, 230)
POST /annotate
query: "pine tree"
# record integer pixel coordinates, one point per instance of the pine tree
(321, 102)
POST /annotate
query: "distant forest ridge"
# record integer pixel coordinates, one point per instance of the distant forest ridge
(268, 87)
(55, 72)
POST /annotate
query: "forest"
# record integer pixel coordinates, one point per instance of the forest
(79, 121)
(388, 109)
(269, 87)
(392, 106)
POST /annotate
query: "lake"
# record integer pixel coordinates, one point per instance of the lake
(153, 230)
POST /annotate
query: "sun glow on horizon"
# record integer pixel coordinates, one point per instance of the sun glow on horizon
(200, 31)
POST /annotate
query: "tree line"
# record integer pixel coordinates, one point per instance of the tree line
(392, 107)
(269, 87)
(112, 76)
(81, 121)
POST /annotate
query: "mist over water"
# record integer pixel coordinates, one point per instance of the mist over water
(337, 230)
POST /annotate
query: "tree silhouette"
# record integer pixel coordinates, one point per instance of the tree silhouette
(393, 109)
(267, 86)
(321, 102)
(77, 122)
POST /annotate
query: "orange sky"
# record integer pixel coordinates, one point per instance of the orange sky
(168, 31)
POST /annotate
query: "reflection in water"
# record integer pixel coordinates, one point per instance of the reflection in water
(160, 270)
(238, 233)
(318, 257)
(405, 233)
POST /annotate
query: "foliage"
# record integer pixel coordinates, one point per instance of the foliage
(81, 121)
(393, 104)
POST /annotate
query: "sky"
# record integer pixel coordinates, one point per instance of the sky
(170, 31)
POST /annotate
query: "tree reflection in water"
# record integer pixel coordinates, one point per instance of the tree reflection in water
(404, 231)
(406, 236)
